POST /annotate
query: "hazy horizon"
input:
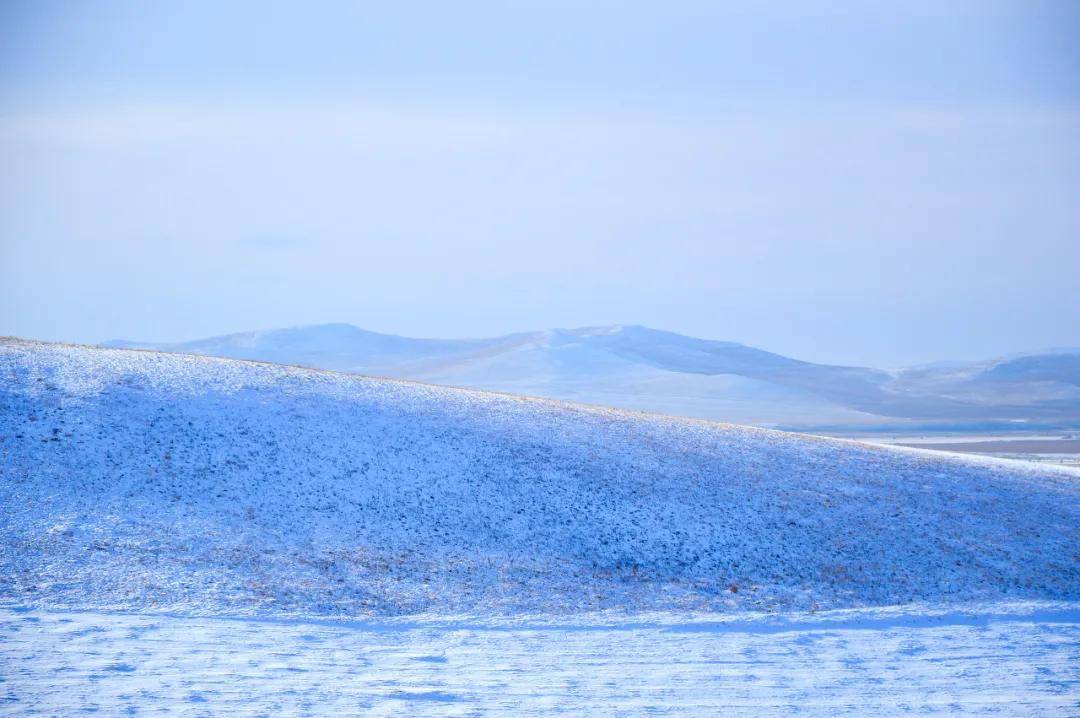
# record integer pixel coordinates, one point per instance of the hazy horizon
(259, 330)
(880, 185)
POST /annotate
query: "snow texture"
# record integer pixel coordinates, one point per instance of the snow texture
(163, 482)
(1021, 662)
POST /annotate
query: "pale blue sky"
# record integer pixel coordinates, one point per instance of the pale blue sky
(861, 182)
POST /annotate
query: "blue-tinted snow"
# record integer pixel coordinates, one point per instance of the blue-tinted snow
(158, 482)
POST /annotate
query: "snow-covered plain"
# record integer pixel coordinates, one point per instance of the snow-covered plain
(150, 501)
(1021, 662)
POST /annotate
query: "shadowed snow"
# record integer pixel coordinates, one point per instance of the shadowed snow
(172, 482)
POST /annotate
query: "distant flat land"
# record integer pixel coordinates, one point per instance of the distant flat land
(1004, 446)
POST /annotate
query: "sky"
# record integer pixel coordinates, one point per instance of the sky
(871, 183)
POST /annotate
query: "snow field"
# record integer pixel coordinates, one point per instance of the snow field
(1025, 663)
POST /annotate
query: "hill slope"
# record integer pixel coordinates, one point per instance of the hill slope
(646, 369)
(139, 479)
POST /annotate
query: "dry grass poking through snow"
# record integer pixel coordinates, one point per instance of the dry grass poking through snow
(154, 481)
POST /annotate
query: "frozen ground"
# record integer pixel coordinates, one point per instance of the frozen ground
(145, 481)
(1016, 662)
(186, 534)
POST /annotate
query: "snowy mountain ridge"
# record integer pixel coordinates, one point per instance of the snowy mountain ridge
(159, 481)
(636, 367)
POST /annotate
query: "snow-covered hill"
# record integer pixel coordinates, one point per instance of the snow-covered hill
(646, 369)
(163, 481)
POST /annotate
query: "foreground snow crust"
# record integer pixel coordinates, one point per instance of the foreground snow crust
(1004, 660)
(144, 481)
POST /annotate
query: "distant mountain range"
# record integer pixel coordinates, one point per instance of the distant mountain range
(646, 369)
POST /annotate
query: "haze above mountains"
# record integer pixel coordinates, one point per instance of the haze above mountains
(639, 368)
